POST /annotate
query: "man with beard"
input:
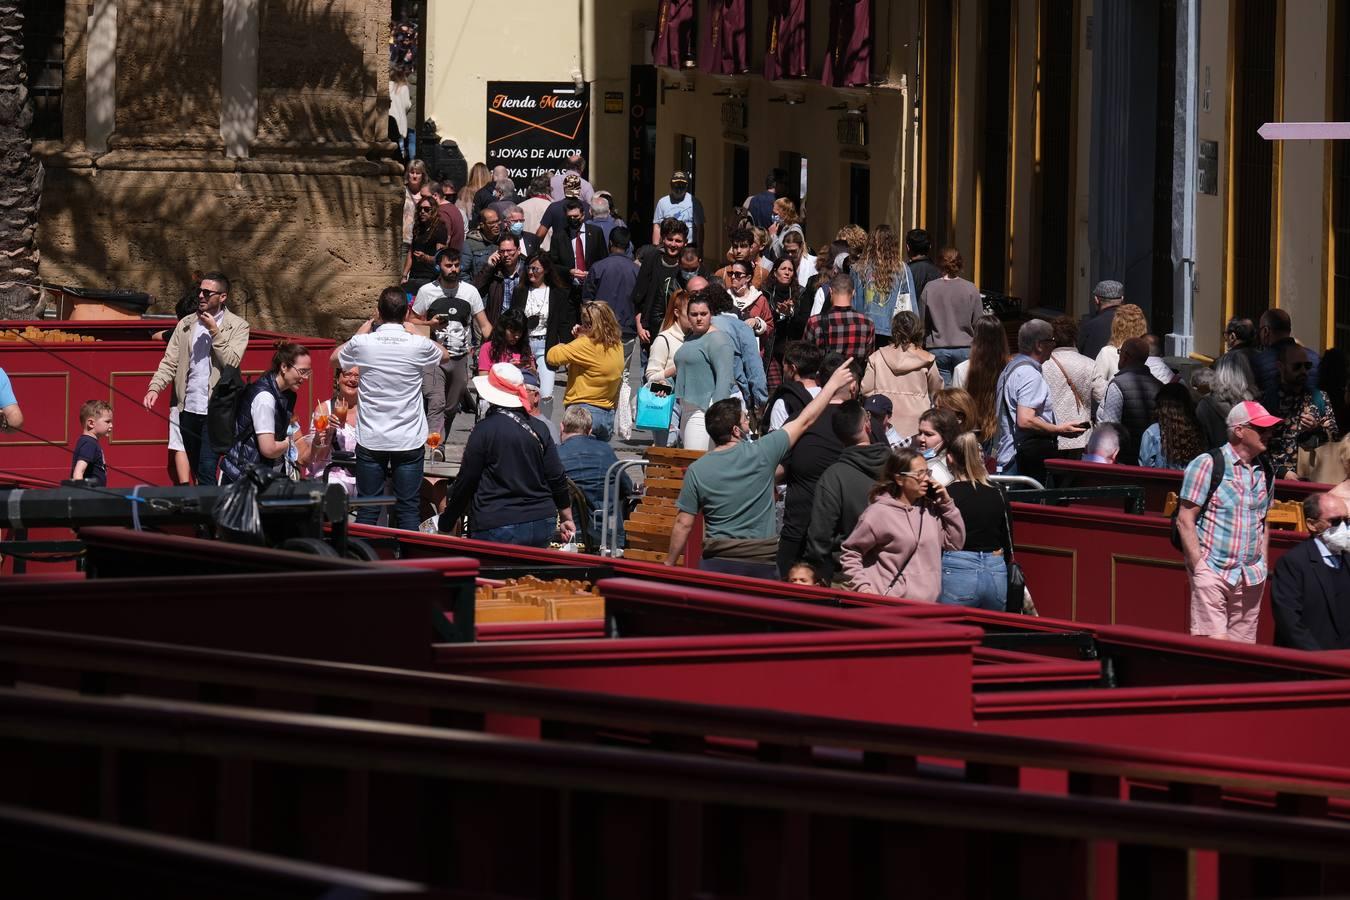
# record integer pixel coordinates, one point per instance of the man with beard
(449, 306)
(1306, 418)
(201, 344)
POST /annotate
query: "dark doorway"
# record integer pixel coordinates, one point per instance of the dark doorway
(860, 196)
(44, 50)
(686, 152)
(936, 120)
(996, 36)
(1161, 313)
(1051, 229)
(1253, 157)
(1340, 174)
(404, 15)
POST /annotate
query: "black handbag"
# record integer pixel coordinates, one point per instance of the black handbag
(1017, 581)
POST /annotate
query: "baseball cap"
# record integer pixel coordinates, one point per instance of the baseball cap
(680, 176)
(1109, 290)
(1249, 412)
(878, 405)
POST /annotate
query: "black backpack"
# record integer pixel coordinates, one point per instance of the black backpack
(1215, 479)
(223, 408)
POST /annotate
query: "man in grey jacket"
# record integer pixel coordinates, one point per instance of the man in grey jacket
(842, 492)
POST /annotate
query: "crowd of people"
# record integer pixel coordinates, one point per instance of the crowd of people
(853, 403)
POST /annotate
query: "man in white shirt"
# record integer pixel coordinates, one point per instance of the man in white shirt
(453, 308)
(200, 345)
(682, 205)
(391, 428)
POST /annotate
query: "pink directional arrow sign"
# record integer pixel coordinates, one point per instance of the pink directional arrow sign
(1305, 131)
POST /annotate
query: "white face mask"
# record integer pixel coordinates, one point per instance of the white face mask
(1338, 539)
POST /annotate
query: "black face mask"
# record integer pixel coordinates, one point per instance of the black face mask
(573, 227)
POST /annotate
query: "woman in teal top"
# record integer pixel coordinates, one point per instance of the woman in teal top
(704, 372)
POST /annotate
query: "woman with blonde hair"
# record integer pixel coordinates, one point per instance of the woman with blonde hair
(976, 574)
(594, 360)
(904, 373)
(1128, 323)
(480, 176)
(882, 283)
(959, 401)
(856, 239)
(414, 179)
(661, 361)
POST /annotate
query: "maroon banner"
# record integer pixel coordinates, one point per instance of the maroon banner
(674, 45)
(724, 48)
(786, 53)
(848, 57)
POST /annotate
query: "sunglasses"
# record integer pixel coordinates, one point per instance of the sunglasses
(203, 292)
(737, 275)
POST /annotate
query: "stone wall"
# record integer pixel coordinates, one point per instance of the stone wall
(307, 224)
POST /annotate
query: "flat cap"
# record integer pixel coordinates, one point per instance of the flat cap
(1109, 290)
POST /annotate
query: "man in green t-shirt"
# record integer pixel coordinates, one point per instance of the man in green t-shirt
(732, 486)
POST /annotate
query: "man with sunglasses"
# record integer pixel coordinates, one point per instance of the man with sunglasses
(201, 344)
(1306, 417)
(1222, 526)
(1311, 587)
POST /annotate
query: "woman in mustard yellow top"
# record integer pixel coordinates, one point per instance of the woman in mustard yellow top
(594, 360)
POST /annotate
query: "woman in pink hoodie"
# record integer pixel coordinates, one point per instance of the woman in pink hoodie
(896, 547)
(904, 372)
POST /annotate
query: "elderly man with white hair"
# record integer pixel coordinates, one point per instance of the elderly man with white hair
(1027, 430)
(511, 480)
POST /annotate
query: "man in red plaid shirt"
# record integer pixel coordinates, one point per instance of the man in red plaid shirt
(839, 329)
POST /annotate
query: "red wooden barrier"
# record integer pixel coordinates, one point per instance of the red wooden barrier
(539, 819)
(1157, 483)
(52, 380)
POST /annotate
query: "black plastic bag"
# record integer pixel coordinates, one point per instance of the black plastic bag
(237, 516)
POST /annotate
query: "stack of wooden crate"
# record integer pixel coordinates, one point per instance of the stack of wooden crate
(647, 531)
(531, 599)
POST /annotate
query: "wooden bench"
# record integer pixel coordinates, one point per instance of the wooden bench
(1157, 483)
(539, 819)
(1285, 515)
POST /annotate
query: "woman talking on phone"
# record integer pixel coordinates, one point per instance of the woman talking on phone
(896, 547)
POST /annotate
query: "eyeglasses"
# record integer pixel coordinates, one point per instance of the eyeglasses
(535, 270)
(922, 476)
(303, 373)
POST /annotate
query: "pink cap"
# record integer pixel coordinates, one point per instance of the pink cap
(1249, 412)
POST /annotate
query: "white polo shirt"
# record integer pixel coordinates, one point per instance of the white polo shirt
(389, 414)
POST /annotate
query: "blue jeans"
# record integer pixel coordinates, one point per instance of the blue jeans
(409, 144)
(972, 578)
(602, 420)
(523, 534)
(947, 360)
(404, 469)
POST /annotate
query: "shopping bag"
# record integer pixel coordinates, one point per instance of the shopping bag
(623, 411)
(655, 403)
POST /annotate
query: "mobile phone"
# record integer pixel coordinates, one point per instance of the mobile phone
(932, 491)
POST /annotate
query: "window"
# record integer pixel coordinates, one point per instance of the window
(44, 47)
(860, 196)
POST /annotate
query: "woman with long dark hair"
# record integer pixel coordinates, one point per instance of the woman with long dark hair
(262, 426)
(1176, 437)
(429, 237)
(549, 317)
(783, 295)
(509, 343)
(988, 357)
(896, 547)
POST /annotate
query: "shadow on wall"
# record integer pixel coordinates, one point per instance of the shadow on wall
(308, 229)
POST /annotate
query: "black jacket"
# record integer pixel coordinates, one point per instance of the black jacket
(655, 283)
(841, 497)
(1139, 391)
(511, 474)
(1311, 600)
(564, 254)
(815, 451)
(1094, 332)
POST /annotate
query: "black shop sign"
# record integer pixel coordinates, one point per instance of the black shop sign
(534, 126)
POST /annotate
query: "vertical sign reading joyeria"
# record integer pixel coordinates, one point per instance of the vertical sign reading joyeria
(534, 126)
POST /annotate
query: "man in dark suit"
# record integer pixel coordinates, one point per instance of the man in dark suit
(578, 235)
(1311, 588)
